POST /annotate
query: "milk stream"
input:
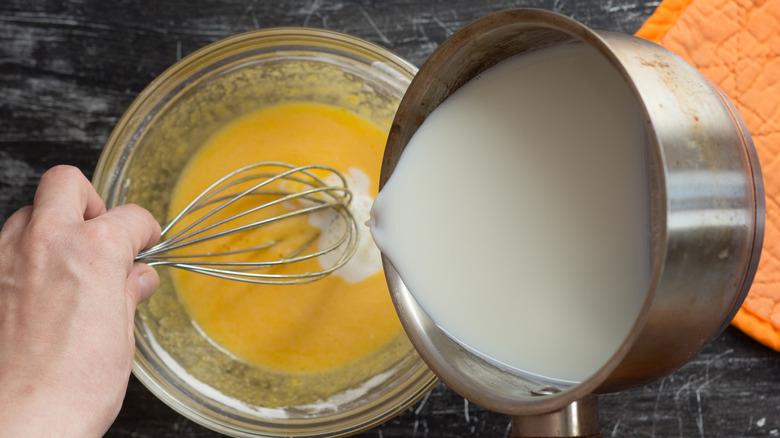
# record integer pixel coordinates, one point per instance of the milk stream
(367, 260)
(518, 214)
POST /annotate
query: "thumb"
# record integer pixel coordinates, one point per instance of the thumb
(141, 284)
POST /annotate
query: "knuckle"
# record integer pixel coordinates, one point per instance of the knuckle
(101, 231)
(37, 244)
(63, 171)
(138, 222)
(17, 221)
(106, 240)
(40, 233)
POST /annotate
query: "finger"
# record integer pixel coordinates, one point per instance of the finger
(142, 282)
(133, 223)
(16, 222)
(64, 192)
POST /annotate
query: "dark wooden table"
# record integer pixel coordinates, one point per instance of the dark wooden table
(69, 69)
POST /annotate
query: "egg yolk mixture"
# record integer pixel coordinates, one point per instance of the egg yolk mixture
(306, 328)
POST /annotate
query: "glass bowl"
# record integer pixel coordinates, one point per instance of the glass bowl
(140, 164)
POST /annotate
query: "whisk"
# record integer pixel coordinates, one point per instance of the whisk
(269, 193)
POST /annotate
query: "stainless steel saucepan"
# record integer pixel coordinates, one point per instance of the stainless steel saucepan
(706, 206)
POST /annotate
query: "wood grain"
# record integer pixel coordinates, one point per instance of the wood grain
(69, 69)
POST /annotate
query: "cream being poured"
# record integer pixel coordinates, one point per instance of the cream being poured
(517, 215)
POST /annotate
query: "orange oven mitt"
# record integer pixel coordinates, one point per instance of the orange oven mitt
(736, 43)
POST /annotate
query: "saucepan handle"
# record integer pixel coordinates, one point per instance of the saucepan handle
(579, 419)
(598, 435)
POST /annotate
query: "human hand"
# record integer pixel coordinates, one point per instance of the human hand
(68, 293)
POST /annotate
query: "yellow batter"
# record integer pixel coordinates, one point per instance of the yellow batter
(309, 328)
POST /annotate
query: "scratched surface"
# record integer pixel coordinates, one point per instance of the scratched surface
(69, 69)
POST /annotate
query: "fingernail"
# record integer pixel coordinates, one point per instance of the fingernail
(148, 282)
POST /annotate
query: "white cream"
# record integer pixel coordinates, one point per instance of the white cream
(367, 259)
(517, 215)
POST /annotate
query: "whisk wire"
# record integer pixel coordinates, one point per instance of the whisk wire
(320, 195)
(204, 199)
(181, 239)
